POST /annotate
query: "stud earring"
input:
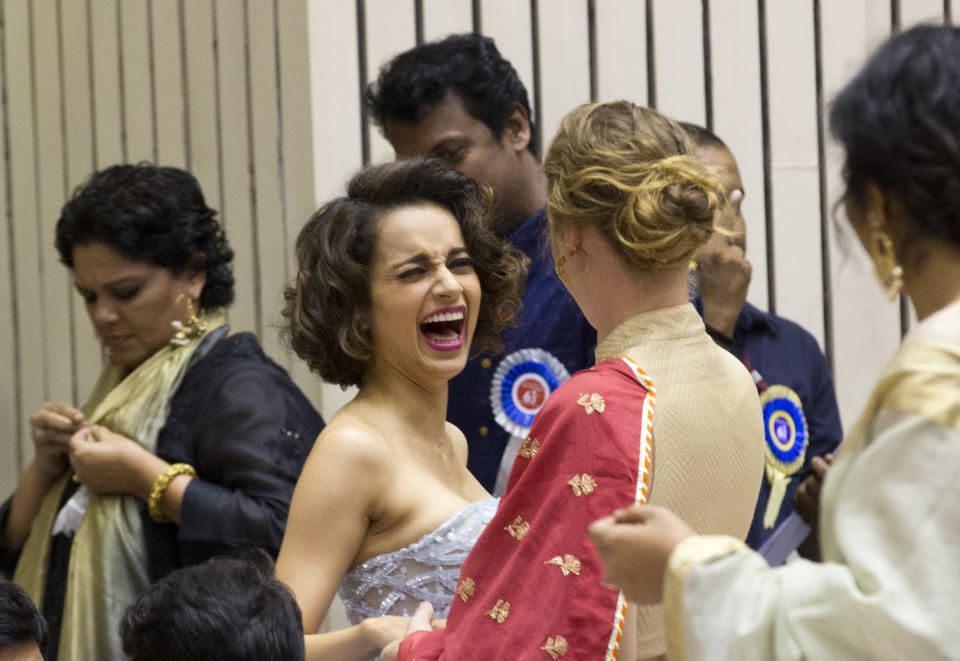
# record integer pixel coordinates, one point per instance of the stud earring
(885, 265)
(184, 332)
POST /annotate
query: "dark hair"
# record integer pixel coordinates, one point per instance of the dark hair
(469, 65)
(703, 136)
(227, 609)
(899, 122)
(20, 621)
(150, 214)
(327, 305)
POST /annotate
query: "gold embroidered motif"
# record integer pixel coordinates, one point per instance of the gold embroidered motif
(518, 528)
(583, 485)
(556, 647)
(466, 588)
(500, 612)
(529, 448)
(592, 402)
(568, 564)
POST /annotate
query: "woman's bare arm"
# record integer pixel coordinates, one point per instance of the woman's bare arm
(329, 518)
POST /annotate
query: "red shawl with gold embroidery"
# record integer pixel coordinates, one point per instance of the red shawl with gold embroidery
(531, 588)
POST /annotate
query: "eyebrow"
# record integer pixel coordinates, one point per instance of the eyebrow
(424, 257)
(119, 282)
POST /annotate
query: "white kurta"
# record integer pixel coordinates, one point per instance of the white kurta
(889, 586)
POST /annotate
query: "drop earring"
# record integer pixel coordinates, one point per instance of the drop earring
(194, 326)
(885, 265)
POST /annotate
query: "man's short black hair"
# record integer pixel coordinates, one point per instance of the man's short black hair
(20, 621)
(469, 65)
(227, 609)
(703, 136)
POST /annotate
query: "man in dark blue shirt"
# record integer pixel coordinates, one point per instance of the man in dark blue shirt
(801, 419)
(459, 100)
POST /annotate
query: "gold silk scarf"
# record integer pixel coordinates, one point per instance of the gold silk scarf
(108, 563)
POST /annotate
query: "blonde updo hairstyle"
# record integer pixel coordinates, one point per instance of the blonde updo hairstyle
(631, 173)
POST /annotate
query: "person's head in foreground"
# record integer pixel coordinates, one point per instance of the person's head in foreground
(898, 121)
(401, 274)
(145, 250)
(458, 99)
(628, 203)
(23, 631)
(227, 609)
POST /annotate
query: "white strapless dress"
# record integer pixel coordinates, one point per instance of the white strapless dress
(427, 570)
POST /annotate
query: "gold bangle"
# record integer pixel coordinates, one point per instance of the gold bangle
(160, 487)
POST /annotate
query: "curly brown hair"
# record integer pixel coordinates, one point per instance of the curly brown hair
(327, 306)
(629, 171)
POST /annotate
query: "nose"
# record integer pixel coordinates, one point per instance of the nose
(447, 283)
(103, 313)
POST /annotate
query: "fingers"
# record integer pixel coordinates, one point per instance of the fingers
(439, 623)
(820, 466)
(421, 618)
(55, 422)
(390, 652)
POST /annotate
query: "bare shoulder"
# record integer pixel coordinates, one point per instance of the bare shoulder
(459, 441)
(348, 447)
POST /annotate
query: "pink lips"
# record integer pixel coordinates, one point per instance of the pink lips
(445, 341)
(114, 341)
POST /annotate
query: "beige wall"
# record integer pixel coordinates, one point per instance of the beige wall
(261, 100)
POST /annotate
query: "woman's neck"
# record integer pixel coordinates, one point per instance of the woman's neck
(631, 294)
(411, 403)
(934, 282)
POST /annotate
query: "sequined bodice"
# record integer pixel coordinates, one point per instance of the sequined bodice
(427, 570)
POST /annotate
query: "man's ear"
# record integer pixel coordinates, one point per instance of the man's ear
(516, 132)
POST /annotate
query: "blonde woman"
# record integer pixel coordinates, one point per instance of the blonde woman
(665, 416)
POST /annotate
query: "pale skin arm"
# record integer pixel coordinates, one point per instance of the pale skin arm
(50, 428)
(329, 519)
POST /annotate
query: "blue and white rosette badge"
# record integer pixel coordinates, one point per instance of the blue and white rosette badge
(521, 384)
(785, 433)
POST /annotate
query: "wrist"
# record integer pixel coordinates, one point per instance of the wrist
(722, 319)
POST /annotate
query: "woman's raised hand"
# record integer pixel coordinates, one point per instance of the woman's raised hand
(51, 428)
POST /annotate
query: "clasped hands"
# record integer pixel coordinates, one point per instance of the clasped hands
(100, 458)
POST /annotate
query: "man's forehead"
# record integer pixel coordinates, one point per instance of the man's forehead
(446, 120)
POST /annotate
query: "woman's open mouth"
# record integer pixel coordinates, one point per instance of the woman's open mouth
(443, 329)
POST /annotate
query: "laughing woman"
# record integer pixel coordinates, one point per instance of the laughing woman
(396, 281)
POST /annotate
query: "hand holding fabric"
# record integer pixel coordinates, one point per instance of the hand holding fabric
(107, 462)
(635, 544)
(421, 623)
(51, 428)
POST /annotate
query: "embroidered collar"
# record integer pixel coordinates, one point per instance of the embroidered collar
(656, 325)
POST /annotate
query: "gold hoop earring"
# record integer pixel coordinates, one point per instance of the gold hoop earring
(194, 326)
(885, 265)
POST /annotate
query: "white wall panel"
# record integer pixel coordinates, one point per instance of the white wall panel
(621, 50)
(390, 29)
(443, 17)
(793, 162)
(678, 59)
(564, 62)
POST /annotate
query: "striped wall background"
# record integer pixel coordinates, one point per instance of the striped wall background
(261, 100)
